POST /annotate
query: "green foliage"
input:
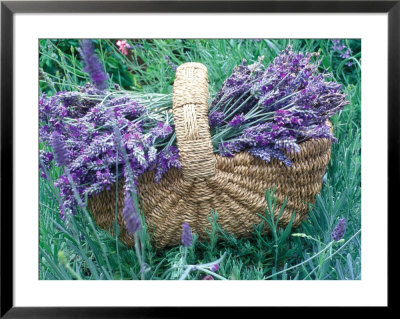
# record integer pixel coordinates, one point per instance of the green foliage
(80, 250)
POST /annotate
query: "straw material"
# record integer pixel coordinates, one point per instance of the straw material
(190, 107)
(234, 187)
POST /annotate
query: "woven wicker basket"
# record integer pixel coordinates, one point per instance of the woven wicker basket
(234, 187)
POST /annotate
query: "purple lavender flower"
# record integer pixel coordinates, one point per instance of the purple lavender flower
(166, 159)
(339, 230)
(266, 153)
(317, 131)
(337, 45)
(170, 63)
(130, 216)
(45, 159)
(187, 237)
(346, 54)
(214, 267)
(237, 120)
(216, 118)
(161, 130)
(344, 51)
(229, 149)
(268, 101)
(59, 149)
(90, 89)
(287, 143)
(92, 64)
(208, 277)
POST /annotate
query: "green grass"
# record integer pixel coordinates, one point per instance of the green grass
(84, 251)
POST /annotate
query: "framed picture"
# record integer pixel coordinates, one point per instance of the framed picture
(146, 144)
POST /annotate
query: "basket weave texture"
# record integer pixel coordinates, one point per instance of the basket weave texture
(232, 186)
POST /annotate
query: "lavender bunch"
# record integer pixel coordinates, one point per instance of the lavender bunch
(85, 122)
(270, 110)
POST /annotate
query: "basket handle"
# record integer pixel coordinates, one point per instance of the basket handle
(190, 109)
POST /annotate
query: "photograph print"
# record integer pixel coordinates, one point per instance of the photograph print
(199, 159)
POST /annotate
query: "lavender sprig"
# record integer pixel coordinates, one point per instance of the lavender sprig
(92, 65)
(59, 149)
(130, 216)
(187, 237)
(170, 63)
(339, 230)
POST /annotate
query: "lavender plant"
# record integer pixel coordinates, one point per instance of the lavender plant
(209, 268)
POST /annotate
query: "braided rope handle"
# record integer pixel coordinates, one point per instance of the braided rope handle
(190, 109)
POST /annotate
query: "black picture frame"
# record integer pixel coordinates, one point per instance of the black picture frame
(9, 8)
